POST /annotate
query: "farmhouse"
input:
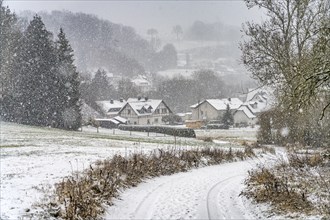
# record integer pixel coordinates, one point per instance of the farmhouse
(212, 109)
(142, 83)
(243, 115)
(259, 100)
(143, 111)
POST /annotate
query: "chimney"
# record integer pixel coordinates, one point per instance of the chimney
(111, 101)
(121, 100)
(146, 98)
(229, 99)
(139, 98)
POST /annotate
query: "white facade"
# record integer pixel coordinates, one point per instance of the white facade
(142, 83)
(144, 112)
(244, 115)
(212, 109)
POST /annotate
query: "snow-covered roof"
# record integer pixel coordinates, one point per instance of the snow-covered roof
(88, 112)
(246, 111)
(108, 119)
(111, 106)
(221, 104)
(260, 99)
(263, 92)
(141, 81)
(144, 106)
(120, 119)
(181, 114)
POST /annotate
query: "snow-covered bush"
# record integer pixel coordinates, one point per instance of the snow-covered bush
(299, 185)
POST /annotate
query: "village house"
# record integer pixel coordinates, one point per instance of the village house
(244, 115)
(213, 109)
(144, 111)
(142, 83)
(259, 100)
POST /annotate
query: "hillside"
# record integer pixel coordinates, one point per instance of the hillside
(100, 43)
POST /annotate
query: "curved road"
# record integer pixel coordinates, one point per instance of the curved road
(205, 193)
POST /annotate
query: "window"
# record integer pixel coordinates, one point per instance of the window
(156, 120)
(148, 121)
(164, 111)
(157, 111)
(128, 111)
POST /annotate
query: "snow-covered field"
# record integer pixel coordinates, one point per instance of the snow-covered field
(33, 159)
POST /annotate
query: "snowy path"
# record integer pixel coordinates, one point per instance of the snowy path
(205, 193)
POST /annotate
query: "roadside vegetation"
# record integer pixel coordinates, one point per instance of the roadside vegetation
(84, 195)
(289, 52)
(298, 185)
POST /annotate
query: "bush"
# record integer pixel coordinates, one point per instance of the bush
(217, 126)
(299, 185)
(179, 132)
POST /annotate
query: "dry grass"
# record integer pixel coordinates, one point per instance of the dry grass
(299, 185)
(81, 196)
(255, 145)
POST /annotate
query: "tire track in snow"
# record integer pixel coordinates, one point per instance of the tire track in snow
(212, 198)
(145, 208)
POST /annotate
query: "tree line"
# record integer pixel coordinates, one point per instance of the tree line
(39, 82)
(178, 92)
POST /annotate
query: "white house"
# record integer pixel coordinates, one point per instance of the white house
(142, 83)
(111, 108)
(244, 115)
(212, 109)
(259, 100)
(143, 111)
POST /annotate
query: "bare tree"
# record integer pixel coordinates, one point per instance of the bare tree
(154, 39)
(177, 30)
(289, 49)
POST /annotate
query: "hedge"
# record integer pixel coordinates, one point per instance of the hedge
(174, 131)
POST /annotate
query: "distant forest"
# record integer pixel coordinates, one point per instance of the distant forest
(202, 31)
(101, 43)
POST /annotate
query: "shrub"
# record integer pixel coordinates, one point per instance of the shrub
(174, 131)
(300, 184)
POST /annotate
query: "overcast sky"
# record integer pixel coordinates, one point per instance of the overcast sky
(141, 15)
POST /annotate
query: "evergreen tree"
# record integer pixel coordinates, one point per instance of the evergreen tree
(100, 86)
(127, 89)
(37, 74)
(68, 114)
(9, 46)
(227, 118)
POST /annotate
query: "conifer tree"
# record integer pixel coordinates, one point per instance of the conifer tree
(38, 78)
(227, 118)
(9, 46)
(69, 116)
(100, 86)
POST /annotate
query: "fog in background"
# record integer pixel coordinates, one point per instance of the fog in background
(130, 43)
(142, 15)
